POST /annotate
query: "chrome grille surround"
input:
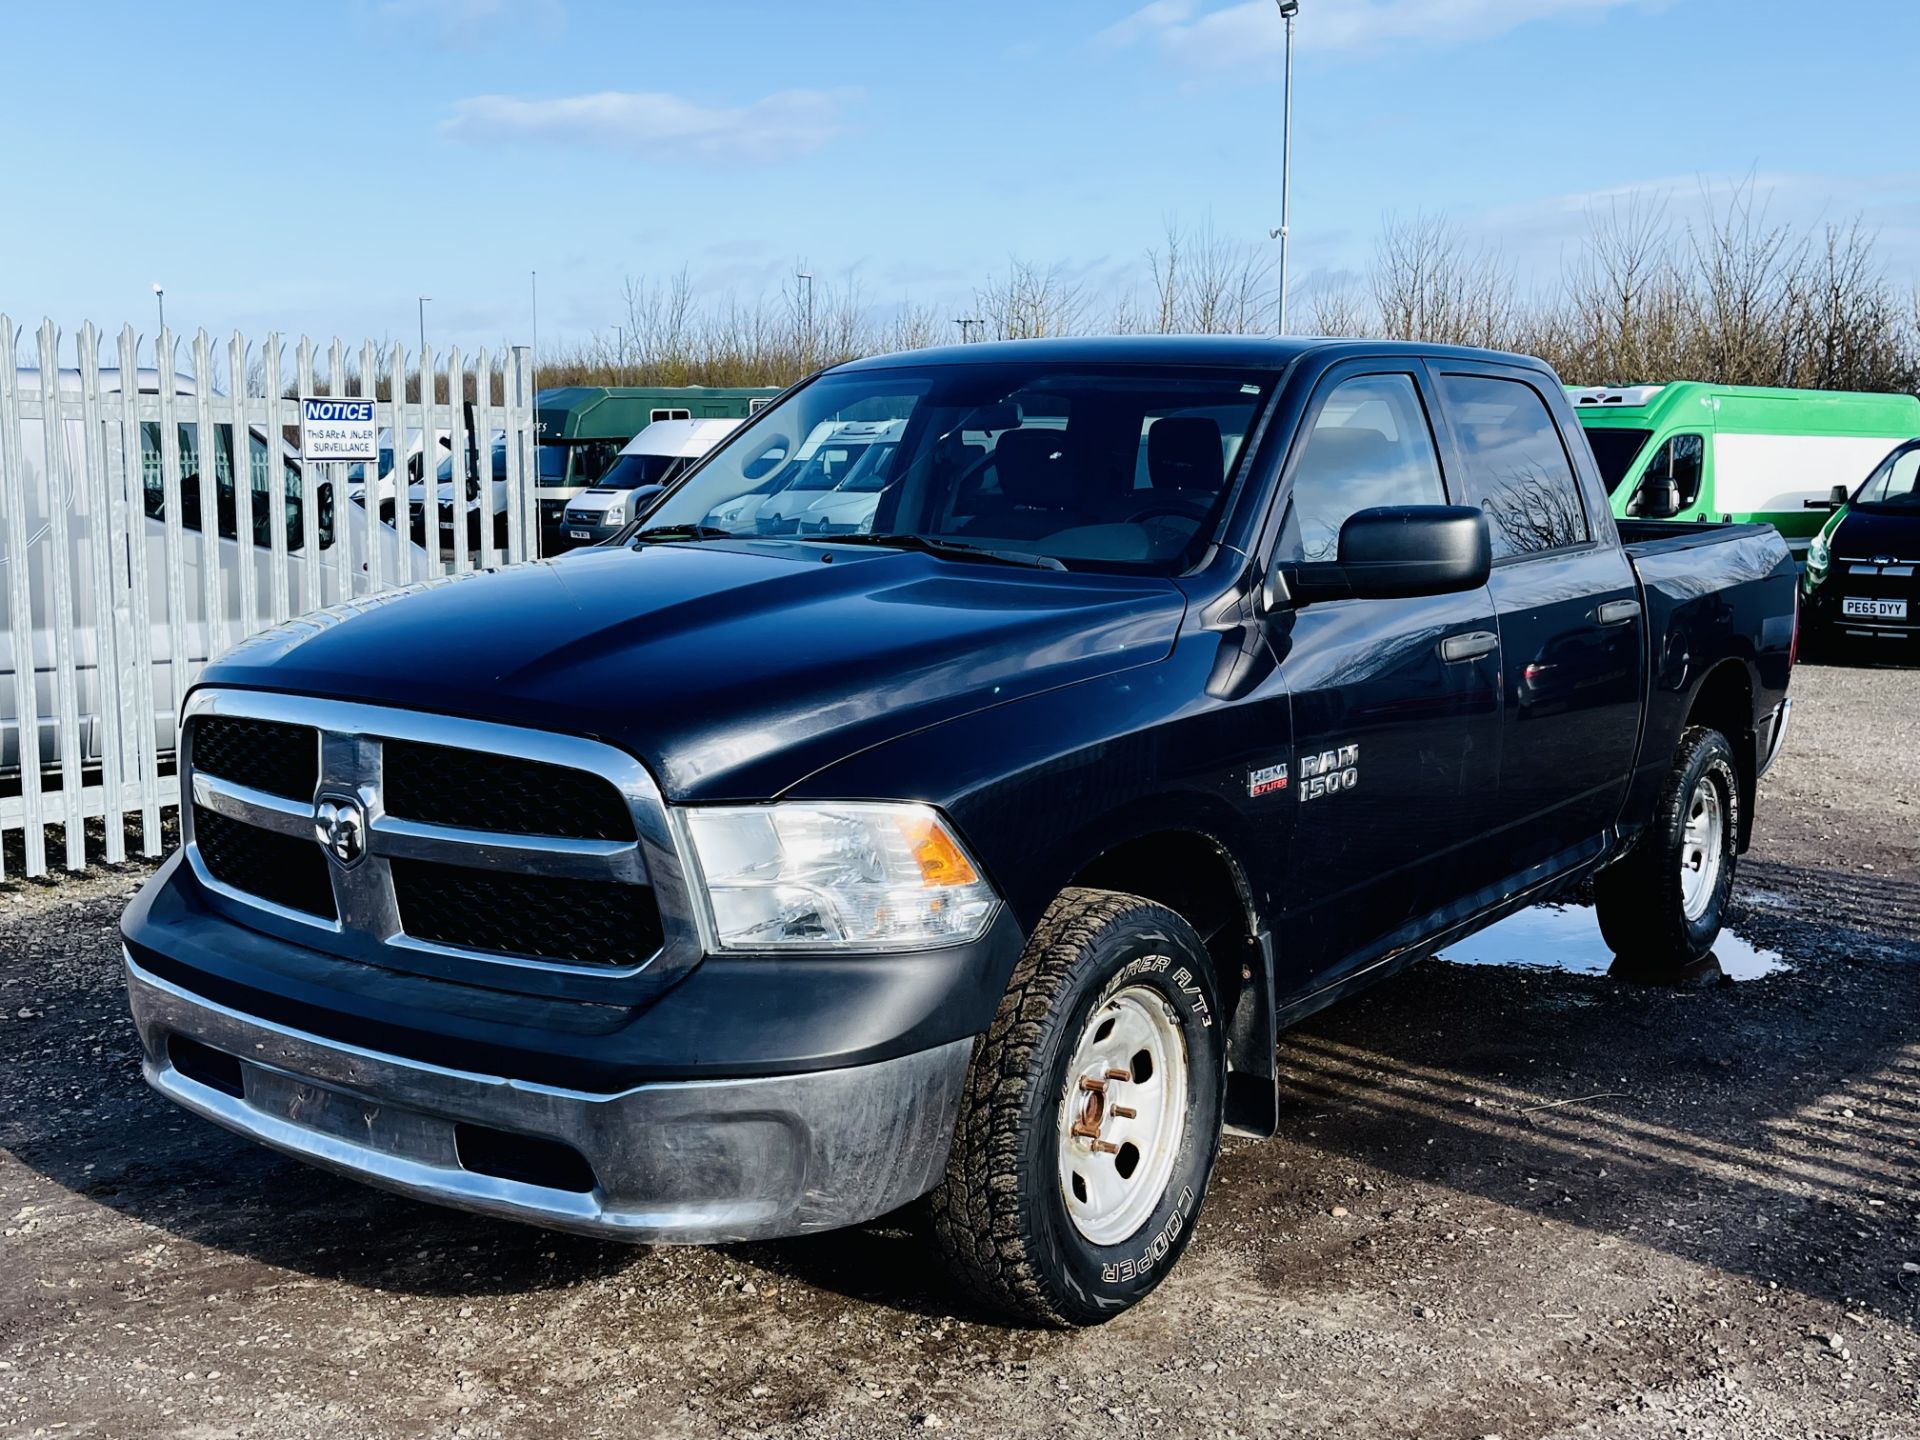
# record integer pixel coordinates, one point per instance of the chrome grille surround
(369, 927)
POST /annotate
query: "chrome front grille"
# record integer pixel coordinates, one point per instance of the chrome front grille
(516, 858)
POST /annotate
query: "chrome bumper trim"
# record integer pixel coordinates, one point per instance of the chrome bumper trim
(686, 1162)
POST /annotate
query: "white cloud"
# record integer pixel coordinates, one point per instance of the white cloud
(652, 124)
(1252, 32)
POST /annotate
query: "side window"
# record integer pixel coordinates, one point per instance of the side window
(591, 459)
(1682, 458)
(1517, 467)
(1370, 445)
(675, 414)
(1895, 481)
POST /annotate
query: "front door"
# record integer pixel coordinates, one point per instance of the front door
(1396, 705)
(1571, 628)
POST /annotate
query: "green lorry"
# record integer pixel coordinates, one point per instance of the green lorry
(1691, 451)
(582, 428)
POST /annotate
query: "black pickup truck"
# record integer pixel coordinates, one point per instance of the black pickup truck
(723, 882)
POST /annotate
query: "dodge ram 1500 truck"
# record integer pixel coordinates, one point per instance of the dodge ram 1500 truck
(716, 885)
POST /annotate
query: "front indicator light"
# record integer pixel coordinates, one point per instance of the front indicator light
(854, 875)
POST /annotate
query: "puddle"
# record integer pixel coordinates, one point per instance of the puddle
(1567, 937)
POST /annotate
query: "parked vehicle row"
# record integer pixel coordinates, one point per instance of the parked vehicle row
(1694, 452)
(209, 540)
(720, 884)
(583, 428)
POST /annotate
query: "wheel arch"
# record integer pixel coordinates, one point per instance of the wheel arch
(1196, 874)
(1723, 701)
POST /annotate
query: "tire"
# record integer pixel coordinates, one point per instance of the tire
(1661, 905)
(1034, 1221)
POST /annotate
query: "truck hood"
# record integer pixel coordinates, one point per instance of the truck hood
(1867, 531)
(733, 669)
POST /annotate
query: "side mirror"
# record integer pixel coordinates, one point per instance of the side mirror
(645, 497)
(1836, 497)
(1658, 498)
(1398, 550)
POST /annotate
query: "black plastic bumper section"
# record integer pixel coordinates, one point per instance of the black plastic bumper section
(732, 1016)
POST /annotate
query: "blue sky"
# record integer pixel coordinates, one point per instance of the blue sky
(317, 167)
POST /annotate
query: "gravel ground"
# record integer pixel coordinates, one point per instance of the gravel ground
(1506, 1202)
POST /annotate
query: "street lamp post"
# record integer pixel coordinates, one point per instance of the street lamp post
(1288, 9)
(808, 277)
(160, 299)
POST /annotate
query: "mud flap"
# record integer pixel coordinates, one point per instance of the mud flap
(1253, 1042)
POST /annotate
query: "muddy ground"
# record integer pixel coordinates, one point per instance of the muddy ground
(1503, 1202)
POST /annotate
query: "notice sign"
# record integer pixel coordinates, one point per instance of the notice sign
(338, 429)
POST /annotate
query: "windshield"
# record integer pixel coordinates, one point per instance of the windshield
(1894, 482)
(1123, 468)
(553, 461)
(630, 472)
(1613, 451)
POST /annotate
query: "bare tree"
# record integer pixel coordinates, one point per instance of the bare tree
(1430, 284)
(1028, 302)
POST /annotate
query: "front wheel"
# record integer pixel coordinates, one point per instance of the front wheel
(1091, 1118)
(1662, 904)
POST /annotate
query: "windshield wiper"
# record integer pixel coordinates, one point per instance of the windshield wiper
(947, 549)
(682, 532)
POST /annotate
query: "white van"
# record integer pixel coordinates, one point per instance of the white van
(197, 548)
(656, 457)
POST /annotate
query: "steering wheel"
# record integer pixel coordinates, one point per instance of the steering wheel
(1169, 506)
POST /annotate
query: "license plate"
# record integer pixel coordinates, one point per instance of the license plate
(579, 534)
(1873, 609)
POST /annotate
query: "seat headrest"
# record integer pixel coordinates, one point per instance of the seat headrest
(1333, 452)
(1037, 468)
(1183, 453)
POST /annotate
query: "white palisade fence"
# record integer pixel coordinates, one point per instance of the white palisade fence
(153, 515)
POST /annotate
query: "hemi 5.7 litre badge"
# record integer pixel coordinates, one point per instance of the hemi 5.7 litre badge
(1267, 780)
(1329, 772)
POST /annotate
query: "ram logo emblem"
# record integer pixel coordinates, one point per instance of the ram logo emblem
(340, 822)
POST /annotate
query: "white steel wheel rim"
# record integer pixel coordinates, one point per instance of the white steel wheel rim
(1700, 847)
(1124, 1114)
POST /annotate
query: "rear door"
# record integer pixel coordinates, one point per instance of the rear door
(1396, 721)
(1572, 635)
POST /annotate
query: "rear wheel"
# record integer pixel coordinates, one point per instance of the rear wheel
(1661, 905)
(1091, 1119)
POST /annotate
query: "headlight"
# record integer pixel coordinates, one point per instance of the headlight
(803, 876)
(1819, 558)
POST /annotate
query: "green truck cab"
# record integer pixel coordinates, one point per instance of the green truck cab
(581, 430)
(1738, 452)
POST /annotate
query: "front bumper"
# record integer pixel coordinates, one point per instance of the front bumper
(591, 531)
(1824, 611)
(670, 1161)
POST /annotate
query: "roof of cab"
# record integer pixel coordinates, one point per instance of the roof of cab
(691, 438)
(1246, 351)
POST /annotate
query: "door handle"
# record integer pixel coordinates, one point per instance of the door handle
(1618, 612)
(1470, 646)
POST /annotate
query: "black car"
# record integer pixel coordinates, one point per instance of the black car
(1862, 581)
(718, 885)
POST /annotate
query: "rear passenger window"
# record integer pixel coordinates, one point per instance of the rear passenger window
(1517, 467)
(1370, 445)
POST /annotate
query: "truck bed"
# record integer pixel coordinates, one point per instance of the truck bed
(1659, 537)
